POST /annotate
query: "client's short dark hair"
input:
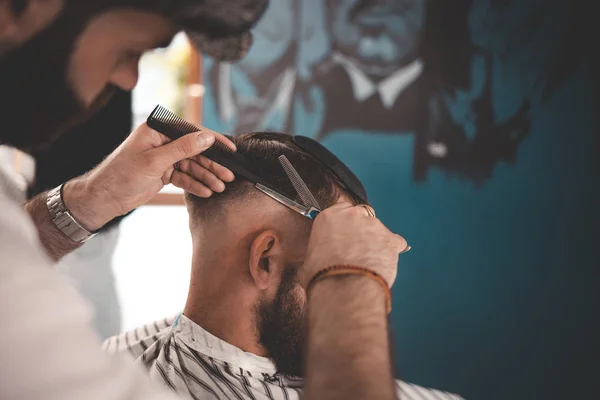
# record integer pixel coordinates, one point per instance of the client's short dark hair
(263, 150)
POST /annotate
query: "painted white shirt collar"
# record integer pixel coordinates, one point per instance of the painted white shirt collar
(389, 88)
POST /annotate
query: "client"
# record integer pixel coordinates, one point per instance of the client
(242, 332)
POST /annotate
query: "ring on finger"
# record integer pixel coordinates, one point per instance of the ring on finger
(370, 210)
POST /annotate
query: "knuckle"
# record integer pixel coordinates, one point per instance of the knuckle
(211, 179)
(143, 127)
(177, 180)
(184, 166)
(200, 175)
(378, 224)
(210, 164)
(401, 242)
(325, 214)
(356, 211)
(196, 171)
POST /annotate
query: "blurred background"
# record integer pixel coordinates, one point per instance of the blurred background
(473, 125)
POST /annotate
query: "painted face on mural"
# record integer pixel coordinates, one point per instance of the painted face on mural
(380, 36)
(273, 36)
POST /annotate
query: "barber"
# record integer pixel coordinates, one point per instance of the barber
(47, 346)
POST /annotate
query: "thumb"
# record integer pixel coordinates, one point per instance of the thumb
(186, 146)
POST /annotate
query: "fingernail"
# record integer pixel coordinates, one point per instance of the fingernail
(205, 139)
(221, 187)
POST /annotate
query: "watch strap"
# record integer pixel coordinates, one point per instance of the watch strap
(63, 219)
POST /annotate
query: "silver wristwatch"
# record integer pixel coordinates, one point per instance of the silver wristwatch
(63, 220)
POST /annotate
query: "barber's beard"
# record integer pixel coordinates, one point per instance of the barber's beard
(282, 327)
(37, 102)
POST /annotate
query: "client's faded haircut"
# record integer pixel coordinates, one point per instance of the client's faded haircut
(262, 150)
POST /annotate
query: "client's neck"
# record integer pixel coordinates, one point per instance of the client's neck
(224, 311)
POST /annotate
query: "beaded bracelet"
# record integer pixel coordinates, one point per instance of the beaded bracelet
(340, 270)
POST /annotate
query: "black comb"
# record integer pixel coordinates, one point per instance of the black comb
(172, 125)
(334, 165)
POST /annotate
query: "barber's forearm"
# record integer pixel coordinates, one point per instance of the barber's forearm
(349, 354)
(86, 206)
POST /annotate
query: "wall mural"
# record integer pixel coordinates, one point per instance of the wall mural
(393, 67)
(474, 127)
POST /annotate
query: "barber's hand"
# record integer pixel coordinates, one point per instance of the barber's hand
(139, 168)
(346, 235)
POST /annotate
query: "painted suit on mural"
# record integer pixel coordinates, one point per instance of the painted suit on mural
(400, 67)
(404, 67)
(373, 78)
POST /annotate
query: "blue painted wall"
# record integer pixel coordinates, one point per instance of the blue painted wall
(488, 163)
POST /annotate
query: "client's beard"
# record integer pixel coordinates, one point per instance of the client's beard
(37, 102)
(282, 327)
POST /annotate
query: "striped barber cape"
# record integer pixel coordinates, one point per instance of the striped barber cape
(198, 365)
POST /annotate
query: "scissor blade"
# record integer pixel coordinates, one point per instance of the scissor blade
(301, 188)
(299, 208)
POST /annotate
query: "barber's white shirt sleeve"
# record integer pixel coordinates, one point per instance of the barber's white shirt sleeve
(48, 349)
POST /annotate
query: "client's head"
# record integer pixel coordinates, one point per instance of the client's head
(248, 249)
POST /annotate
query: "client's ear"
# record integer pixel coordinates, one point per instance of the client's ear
(265, 256)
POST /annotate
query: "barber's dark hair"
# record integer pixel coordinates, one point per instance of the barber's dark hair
(219, 29)
(263, 149)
